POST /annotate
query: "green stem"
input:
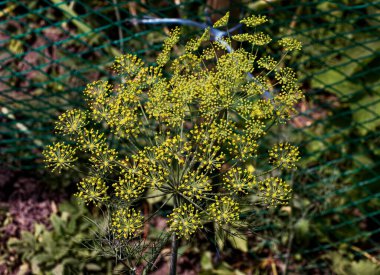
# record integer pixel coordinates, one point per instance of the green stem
(174, 248)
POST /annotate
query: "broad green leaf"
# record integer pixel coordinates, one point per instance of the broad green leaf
(206, 261)
(58, 269)
(238, 240)
(93, 267)
(302, 226)
(224, 269)
(71, 227)
(41, 258)
(335, 81)
(38, 229)
(220, 236)
(366, 113)
(35, 265)
(338, 80)
(361, 54)
(57, 223)
(338, 263)
(23, 269)
(28, 238)
(365, 267)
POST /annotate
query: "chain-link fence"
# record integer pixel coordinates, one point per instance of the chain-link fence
(51, 49)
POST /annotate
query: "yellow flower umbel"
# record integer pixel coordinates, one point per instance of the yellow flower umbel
(274, 191)
(169, 43)
(104, 159)
(238, 181)
(130, 187)
(71, 122)
(195, 185)
(128, 65)
(254, 20)
(92, 190)
(284, 155)
(222, 22)
(224, 211)
(181, 132)
(126, 223)
(290, 44)
(59, 156)
(91, 140)
(184, 221)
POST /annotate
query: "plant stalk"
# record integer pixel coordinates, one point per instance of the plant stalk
(174, 255)
(174, 248)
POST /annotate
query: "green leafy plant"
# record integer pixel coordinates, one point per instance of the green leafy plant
(188, 130)
(343, 263)
(59, 250)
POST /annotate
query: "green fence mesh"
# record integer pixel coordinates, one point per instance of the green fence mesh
(51, 49)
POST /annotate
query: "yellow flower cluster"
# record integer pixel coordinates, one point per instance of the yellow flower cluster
(126, 223)
(224, 210)
(169, 43)
(129, 187)
(59, 156)
(148, 76)
(286, 76)
(274, 191)
(169, 149)
(284, 155)
(254, 20)
(208, 54)
(97, 94)
(222, 22)
(290, 44)
(184, 221)
(206, 139)
(168, 101)
(239, 181)
(187, 63)
(258, 38)
(104, 159)
(123, 118)
(242, 147)
(92, 190)
(195, 185)
(144, 170)
(242, 37)
(193, 44)
(184, 128)
(97, 90)
(255, 88)
(267, 62)
(127, 64)
(255, 129)
(71, 122)
(91, 140)
(134, 180)
(260, 109)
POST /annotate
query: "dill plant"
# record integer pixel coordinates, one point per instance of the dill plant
(190, 135)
